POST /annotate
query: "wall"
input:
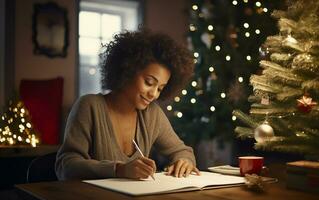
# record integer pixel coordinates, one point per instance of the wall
(2, 45)
(167, 16)
(30, 66)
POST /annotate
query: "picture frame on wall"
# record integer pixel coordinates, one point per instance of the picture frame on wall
(50, 30)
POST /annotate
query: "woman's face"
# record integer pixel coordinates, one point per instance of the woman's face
(147, 85)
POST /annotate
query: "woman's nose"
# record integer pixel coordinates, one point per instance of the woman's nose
(153, 93)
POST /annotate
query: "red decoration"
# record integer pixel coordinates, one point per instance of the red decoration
(305, 104)
(43, 99)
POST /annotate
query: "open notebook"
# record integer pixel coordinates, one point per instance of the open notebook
(168, 184)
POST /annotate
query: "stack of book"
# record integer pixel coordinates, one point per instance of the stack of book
(303, 175)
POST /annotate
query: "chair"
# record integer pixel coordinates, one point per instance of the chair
(42, 169)
(43, 99)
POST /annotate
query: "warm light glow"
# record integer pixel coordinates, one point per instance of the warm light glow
(195, 60)
(217, 48)
(258, 4)
(193, 100)
(194, 7)
(194, 83)
(222, 95)
(192, 27)
(247, 34)
(228, 57)
(248, 57)
(28, 125)
(212, 108)
(184, 92)
(211, 69)
(257, 31)
(245, 1)
(196, 54)
(210, 27)
(233, 118)
(179, 114)
(22, 110)
(169, 107)
(21, 126)
(240, 79)
(246, 25)
(92, 71)
(235, 2)
(265, 10)
(22, 120)
(177, 99)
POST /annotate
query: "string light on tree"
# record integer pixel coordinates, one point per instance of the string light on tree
(16, 127)
(192, 27)
(223, 95)
(211, 69)
(265, 10)
(228, 57)
(169, 107)
(258, 4)
(245, 1)
(234, 118)
(194, 83)
(240, 79)
(248, 57)
(177, 99)
(247, 34)
(193, 100)
(212, 108)
(217, 48)
(210, 27)
(246, 25)
(179, 114)
(196, 54)
(235, 2)
(257, 31)
(195, 7)
(184, 92)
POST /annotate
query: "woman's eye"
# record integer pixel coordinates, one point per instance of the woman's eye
(149, 83)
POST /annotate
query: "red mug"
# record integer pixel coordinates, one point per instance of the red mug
(250, 164)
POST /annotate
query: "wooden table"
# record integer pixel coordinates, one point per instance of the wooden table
(78, 190)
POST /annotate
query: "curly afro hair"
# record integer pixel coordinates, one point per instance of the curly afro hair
(131, 52)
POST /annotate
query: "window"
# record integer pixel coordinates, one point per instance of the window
(98, 22)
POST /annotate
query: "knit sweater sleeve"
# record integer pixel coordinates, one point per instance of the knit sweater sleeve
(73, 158)
(167, 141)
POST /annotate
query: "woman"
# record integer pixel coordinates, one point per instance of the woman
(138, 68)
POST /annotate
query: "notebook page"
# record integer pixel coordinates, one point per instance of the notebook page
(164, 184)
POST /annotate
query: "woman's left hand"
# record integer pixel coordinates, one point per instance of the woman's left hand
(181, 168)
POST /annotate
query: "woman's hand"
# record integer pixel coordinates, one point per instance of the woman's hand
(139, 168)
(181, 167)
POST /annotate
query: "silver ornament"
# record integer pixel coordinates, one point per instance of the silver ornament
(263, 132)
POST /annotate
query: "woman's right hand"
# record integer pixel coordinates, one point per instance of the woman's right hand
(140, 168)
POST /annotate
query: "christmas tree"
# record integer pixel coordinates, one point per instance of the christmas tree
(284, 115)
(16, 127)
(224, 37)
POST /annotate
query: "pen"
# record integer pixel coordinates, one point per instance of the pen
(139, 150)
